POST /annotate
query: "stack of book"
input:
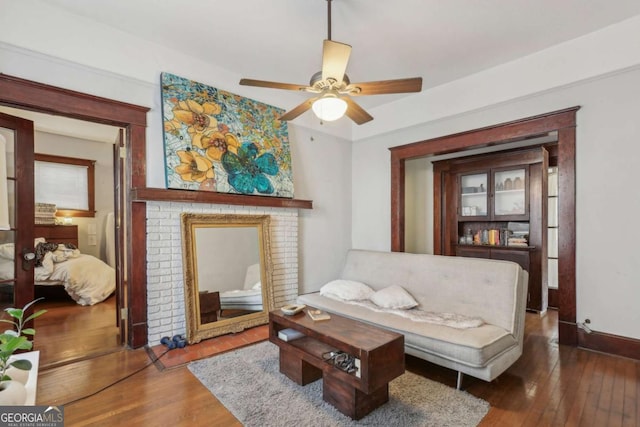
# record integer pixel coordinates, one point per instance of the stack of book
(517, 241)
(45, 214)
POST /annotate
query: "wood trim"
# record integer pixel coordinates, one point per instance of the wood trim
(503, 133)
(609, 343)
(562, 121)
(186, 196)
(568, 333)
(553, 298)
(24, 202)
(397, 203)
(137, 277)
(29, 95)
(567, 225)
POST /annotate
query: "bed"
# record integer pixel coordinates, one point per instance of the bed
(249, 298)
(85, 278)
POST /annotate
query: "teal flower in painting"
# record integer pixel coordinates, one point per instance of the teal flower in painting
(247, 170)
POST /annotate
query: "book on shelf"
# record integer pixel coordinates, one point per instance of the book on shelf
(289, 334)
(317, 315)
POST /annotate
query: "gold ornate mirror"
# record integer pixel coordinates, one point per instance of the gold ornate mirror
(227, 273)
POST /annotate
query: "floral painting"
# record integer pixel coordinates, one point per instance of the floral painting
(217, 141)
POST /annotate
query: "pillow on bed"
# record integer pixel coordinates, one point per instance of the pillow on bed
(347, 290)
(7, 250)
(393, 297)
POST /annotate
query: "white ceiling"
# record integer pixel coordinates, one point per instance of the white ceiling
(281, 40)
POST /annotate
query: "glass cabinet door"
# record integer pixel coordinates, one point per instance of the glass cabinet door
(510, 192)
(473, 194)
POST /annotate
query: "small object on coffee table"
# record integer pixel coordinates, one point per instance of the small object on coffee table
(317, 315)
(289, 334)
(292, 309)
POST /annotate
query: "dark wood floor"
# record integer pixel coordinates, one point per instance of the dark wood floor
(550, 385)
(70, 332)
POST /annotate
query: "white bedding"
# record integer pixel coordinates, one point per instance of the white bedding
(241, 299)
(86, 279)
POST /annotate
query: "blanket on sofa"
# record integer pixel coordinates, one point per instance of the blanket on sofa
(452, 320)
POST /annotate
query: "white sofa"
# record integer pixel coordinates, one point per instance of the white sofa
(493, 290)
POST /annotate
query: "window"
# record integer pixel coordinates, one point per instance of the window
(67, 182)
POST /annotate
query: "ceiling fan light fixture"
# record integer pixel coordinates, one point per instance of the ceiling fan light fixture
(330, 107)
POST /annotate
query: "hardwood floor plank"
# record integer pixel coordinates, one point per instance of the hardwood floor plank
(630, 395)
(588, 415)
(572, 381)
(549, 385)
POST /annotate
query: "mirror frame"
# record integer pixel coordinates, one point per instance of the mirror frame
(196, 331)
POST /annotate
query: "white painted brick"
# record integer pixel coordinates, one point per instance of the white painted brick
(165, 284)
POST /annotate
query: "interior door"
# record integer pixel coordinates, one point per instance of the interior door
(17, 205)
(118, 207)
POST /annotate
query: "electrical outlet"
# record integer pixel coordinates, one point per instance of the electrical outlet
(91, 240)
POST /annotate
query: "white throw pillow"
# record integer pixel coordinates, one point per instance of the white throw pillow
(347, 290)
(393, 297)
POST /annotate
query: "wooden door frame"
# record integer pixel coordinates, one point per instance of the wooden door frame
(564, 123)
(29, 95)
(23, 291)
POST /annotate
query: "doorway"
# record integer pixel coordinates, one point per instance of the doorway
(81, 321)
(563, 122)
(28, 95)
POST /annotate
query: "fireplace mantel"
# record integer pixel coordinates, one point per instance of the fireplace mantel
(187, 196)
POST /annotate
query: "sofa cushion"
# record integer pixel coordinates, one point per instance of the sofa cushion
(393, 297)
(473, 347)
(347, 290)
(471, 286)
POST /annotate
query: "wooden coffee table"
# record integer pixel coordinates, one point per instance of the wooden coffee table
(381, 355)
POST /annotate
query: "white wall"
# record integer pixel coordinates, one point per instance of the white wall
(47, 143)
(418, 211)
(41, 43)
(607, 204)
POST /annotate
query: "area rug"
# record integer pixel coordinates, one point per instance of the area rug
(249, 384)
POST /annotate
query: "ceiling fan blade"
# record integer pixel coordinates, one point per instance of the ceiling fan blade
(274, 85)
(356, 112)
(292, 114)
(335, 57)
(387, 86)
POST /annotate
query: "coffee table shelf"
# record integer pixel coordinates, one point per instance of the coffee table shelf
(381, 355)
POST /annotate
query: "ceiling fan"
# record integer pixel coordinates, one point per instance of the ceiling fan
(333, 87)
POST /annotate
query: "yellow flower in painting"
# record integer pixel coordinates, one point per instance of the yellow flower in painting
(216, 143)
(197, 117)
(194, 167)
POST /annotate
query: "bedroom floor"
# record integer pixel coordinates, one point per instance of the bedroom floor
(70, 332)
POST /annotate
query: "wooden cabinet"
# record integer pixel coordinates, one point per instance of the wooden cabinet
(518, 255)
(499, 194)
(485, 199)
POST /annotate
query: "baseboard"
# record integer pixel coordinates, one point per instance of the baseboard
(567, 333)
(608, 343)
(553, 298)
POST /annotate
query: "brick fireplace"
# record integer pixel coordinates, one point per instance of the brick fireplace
(165, 280)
